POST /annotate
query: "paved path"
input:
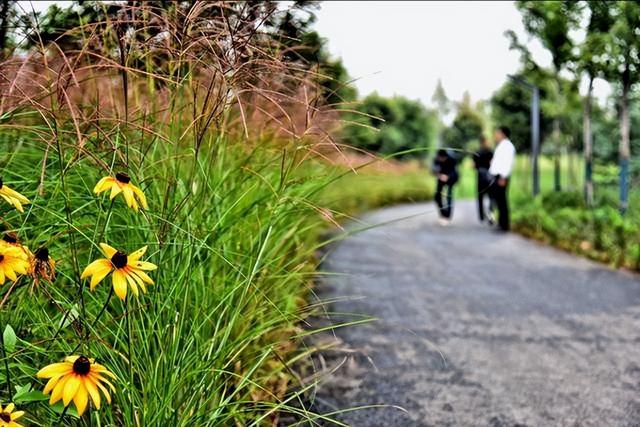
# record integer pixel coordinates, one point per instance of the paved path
(477, 328)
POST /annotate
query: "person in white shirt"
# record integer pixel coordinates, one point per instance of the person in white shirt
(500, 169)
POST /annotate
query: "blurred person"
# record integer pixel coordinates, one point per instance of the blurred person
(482, 162)
(445, 169)
(500, 172)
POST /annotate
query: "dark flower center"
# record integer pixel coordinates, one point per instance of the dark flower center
(5, 417)
(119, 259)
(82, 366)
(1, 257)
(10, 238)
(123, 177)
(42, 254)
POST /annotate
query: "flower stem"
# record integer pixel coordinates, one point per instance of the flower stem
(129, 339)
(6, 368)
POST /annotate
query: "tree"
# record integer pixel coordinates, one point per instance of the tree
(443, 107)
(551, 22)
(625, 66)
(391, 125)
(511, 107)
(592, 64)
(466, 128)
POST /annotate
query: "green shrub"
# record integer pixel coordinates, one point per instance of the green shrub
(561, 219)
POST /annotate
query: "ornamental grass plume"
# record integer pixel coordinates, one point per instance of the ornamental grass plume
(126, 268)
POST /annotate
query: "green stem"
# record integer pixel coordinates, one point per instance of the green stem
(74, 249)
(6, 369)
(129, 339)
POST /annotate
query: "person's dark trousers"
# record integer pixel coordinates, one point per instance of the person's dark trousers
(500, 199)
(484, 188)
(445, 206)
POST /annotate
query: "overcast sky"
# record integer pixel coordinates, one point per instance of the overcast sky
(405, 47)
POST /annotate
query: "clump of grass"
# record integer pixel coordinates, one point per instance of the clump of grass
(182, 102)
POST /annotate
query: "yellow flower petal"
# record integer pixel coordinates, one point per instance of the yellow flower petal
(119, 284)
(135, 256)
(8, 271)
(57, 390)
(104, 391)
(70, 389)
(71, 359)
(143, 265)
(81, 398)
(93, 392)
(10, 407)
(128, 196)
(50, 384)
(108, 250)
(115, 190)
(141, 197)
(17, 414)
(102, 185)
(143, 276)
(95, 267)
(132, 284)
(98, 276)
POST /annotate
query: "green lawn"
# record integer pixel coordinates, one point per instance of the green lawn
(521, 179)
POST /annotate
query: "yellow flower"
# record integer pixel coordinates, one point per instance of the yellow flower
(42, 266)
(126, 269)
(122, 184)
(77, 379)
(8, 417)
(13, 261)
(10, 239)
(13, 197)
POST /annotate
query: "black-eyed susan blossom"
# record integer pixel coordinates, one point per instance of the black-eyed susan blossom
(13, 262)
(42, 266)
(12, 197)
(126, 268)
(11, 239)
(8, 416)
(76, 379)
(121, 183)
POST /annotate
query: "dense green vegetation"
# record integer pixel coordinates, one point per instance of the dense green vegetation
(563, 220)
(391, 126)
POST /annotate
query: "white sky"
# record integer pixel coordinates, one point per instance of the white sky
(405, 47)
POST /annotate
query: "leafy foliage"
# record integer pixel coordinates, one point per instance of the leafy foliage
(466, 129)
(391, 126)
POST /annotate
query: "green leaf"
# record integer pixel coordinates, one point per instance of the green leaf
(9, 339)
(58, 408)
(24, 394)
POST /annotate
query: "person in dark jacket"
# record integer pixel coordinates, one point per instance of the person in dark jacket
(482, 162)
(445, 169)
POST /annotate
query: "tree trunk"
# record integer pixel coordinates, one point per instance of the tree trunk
(4, 26)
(625, 150)
(588, 147)
(556, 156)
